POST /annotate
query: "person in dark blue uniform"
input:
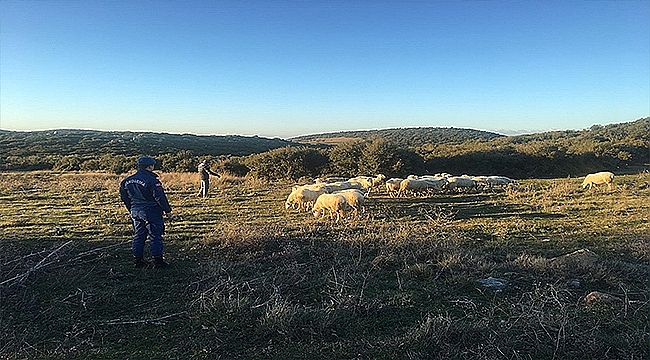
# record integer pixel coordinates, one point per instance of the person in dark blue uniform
(204, 174)
(144, 197)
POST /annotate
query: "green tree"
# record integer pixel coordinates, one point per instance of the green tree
(181, 161)
(91, 165)
(344, 158)
(232, 165)
(383, 157)
(287, 163)
(31, 162)
(68, 163)
(117, 164)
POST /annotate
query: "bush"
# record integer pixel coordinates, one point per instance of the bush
(232, 165)
(371, 157)
(118, 164)
(182, 161)
(90, 165)
(68, 163)
(30, 162)
(287, 163)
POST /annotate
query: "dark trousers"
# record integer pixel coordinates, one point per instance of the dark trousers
(147, 224)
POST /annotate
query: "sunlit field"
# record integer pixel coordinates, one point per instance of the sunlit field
(541, 270)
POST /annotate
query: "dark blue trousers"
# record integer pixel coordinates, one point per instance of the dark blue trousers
(147, 223)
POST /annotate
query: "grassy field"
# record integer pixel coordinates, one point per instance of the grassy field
(406, 280)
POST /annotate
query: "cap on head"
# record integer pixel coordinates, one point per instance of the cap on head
(145, 161)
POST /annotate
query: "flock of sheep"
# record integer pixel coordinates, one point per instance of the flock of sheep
(334, 197)
(414, 184)
(339, 197)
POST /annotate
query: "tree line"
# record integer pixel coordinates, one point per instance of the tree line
(619, 148)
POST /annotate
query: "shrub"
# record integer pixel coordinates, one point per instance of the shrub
(287, 163)
(68, 163)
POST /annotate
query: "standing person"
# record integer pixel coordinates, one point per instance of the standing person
(204, 173)
(144, 197)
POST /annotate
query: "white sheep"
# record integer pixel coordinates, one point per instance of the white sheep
(365, 181)
(392, 186)
(331, 204)
(378, 180)
(432, 177)
(603, 177)
(355, 199)
(341, 185)
(313, 187)
(500, 180)
(459, 183)
(303, 197)
(420, 185)
(437, 176)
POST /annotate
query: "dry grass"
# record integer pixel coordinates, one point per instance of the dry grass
(251, 280)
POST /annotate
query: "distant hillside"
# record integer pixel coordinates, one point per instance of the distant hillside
(633, 131)
(91, 142)
(621, 148)
(406, 137)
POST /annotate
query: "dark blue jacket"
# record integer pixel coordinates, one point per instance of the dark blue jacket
(143, 191)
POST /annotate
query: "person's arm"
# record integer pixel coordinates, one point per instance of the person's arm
(213, 173)
(161, 198)
(125, 197)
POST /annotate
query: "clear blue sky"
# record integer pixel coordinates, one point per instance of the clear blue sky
(285, 68)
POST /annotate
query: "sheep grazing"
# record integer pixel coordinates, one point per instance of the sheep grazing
(303, 197)
(420, 185)
(378, 180)
(332, 204)
(313, 187)
(341, 185)
(392, 186)
(603, 177)
(446, 182)
(355, 199)
(499, 181)
(366, 182)
(460, 182)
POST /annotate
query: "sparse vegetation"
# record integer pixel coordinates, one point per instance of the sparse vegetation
(251, 280)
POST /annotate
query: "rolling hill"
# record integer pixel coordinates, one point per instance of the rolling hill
(622, 147)
(405, 137)
(93, 142)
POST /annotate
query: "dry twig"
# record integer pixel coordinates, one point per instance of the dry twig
(156, 321)
(22, 277)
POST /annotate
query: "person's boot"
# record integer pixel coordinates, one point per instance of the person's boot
(139, 262)
(159, 263)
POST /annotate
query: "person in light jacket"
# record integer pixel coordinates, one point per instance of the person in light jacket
(204, 174)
